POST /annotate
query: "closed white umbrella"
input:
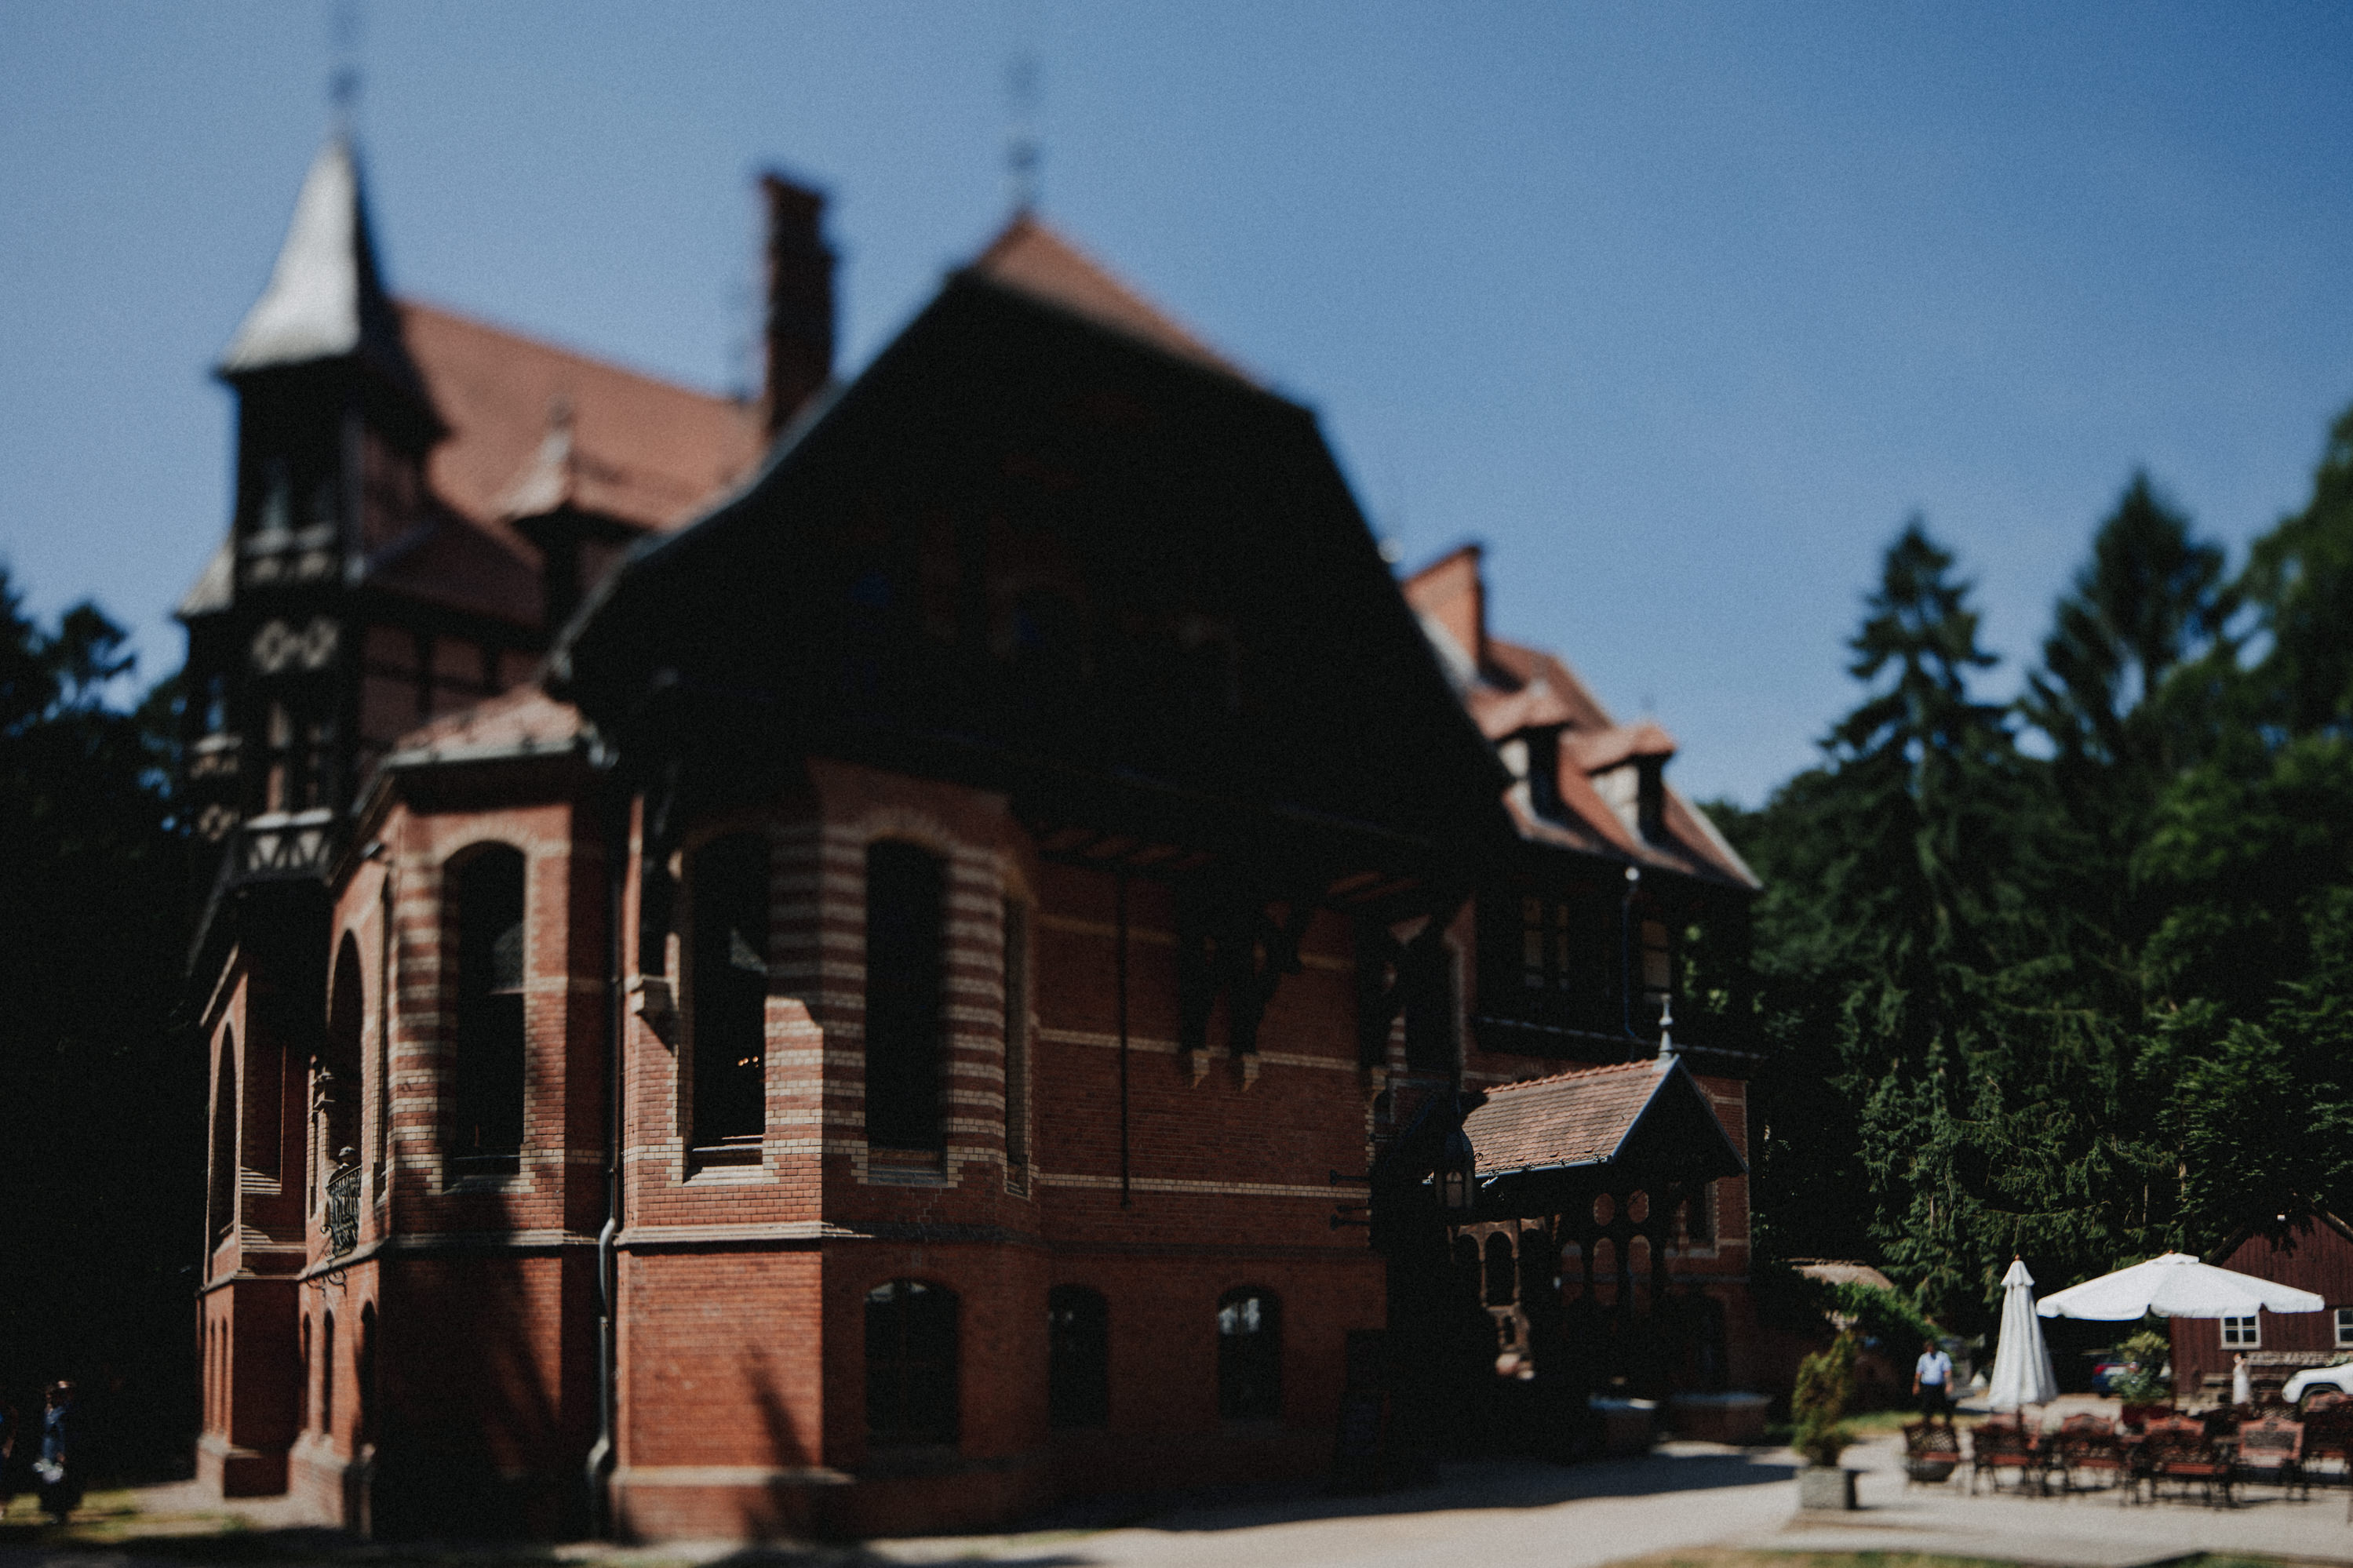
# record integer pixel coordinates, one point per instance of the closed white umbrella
(2176, 1285)
(2022, 1361)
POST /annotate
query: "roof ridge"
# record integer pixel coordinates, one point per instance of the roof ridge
(1033, 257)
(605, 363)
(1645, 1064)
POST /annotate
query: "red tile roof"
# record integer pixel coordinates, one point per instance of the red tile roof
(1577, 1118)
(1508, 688)
(645, 451)
(1032, 259)
(525, 720)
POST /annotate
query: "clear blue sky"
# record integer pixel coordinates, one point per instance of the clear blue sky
(1682, 309)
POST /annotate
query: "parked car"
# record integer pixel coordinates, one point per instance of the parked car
(2335, 1379)
(2107, 1366)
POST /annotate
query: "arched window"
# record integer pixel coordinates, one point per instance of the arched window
(363, 1379)
(910, 1364)
(729, 1002)
(222, 1198)
(1501, 1291)
(339, 1066)
(489, 1110)
(1249, 1354)
(905, 898)
(1078, 1357)
(327, 1374)
(1699, 1216)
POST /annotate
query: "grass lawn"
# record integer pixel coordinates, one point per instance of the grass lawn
(1713, 1557)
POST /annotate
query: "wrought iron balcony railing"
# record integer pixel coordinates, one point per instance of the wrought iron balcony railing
(342, 1210)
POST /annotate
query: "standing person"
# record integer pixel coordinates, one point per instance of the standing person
(8, 1449)
(1932, 1382)
(2243, 1383)
(60, 1481)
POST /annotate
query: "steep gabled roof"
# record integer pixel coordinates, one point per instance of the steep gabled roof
(325, 299)
(1146, 488)
(1032, 258)
(1604, 1116)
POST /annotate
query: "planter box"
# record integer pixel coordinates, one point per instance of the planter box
(1717, 1418)
(1828, 1487)
(1626, 1424)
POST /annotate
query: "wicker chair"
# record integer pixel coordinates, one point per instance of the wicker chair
(2087, 1454)
(2272, 1449)
(2179, 1450)
(1931, 1452)
(2003, 1443)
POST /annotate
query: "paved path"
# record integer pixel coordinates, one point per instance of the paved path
(1687, 1495)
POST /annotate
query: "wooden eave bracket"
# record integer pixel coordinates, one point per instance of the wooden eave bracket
(650, 999)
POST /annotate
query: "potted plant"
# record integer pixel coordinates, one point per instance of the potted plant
(2145, 1385)
(1818, 1410)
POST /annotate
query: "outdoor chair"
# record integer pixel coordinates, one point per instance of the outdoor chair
(2003, 1443)
(2179, 1450)
(1931, 1452)
(2272, 1449)
(2327, 1433)
(2087, 1453)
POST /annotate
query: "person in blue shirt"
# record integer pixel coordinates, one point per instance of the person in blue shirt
(61, 1481)
(1932, 1382)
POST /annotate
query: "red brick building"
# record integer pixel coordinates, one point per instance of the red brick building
(2316, 1256)
(873, 959)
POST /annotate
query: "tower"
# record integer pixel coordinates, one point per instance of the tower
(334, 427)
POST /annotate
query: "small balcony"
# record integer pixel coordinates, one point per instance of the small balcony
(342, 1210)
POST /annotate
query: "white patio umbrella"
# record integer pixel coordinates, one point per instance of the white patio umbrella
(2176, 1285)
(2022, 1361)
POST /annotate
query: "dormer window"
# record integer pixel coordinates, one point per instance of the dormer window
(1635, 792)
(1533, 755)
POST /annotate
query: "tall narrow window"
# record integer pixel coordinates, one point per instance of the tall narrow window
(1699, 1216)
(1501, 1270)
(728, 1003)
(1429, 1007)
(1249, 1354)
(222, 1198)
(309, 1370)
(489, 1110)
(364, 1380)
(904, 895)
(327, 1374)
(910, 1364)
(1017, 1045)
(339, 1066)
(1078, 1357)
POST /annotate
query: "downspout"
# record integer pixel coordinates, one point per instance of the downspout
(1120, 904)
(603, 1456)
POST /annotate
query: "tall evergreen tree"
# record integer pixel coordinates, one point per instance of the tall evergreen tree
(100, 1156)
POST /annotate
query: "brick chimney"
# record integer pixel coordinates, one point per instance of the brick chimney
(799, 328)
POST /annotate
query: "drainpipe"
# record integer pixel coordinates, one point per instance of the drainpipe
(603, 1456)
(1625, 954)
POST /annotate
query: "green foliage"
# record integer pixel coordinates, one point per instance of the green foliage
(100, 1156)
(2085, 1001)
(2145, 1355)
(1786, 1299)
(1818, 1405)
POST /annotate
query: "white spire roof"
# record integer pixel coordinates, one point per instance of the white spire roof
(324, 299)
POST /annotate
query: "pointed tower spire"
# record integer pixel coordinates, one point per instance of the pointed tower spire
(325, 299)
